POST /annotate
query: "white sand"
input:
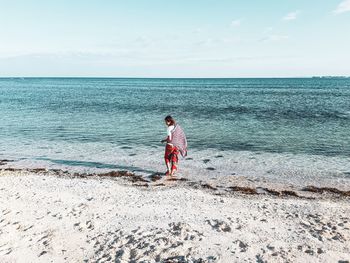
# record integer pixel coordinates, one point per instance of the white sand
(46, 218)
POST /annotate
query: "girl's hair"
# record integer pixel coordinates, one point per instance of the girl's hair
(170, 119)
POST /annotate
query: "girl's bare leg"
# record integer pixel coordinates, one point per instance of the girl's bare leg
(168, 168)
(173, 169)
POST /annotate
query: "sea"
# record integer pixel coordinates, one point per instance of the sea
(283, 129)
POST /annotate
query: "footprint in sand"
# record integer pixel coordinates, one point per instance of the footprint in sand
(5, 212)
(5, 251)
(219, 225)
(44, 242)
(78, 210)
(242, 246)
(27, 228)
(42, 253)
(143, 245)
(78, 227)
(89, 225)
(57, 215)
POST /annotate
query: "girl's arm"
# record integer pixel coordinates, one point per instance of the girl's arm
(166, 140)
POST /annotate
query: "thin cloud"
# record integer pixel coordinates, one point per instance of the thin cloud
(197, 31)
(291, 16)
(196, 59)
(274, 38)
(236, 23)
(343, 7)
(84, 55)
(267, 29)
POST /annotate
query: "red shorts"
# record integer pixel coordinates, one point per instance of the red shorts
(171, 155)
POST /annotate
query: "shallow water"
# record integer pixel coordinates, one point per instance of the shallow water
(275, 127)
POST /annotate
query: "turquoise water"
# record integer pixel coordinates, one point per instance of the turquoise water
(309, 116)
(83, 121)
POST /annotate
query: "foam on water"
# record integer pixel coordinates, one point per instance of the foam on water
(296, 169)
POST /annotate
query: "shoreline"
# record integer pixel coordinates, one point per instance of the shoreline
(204, 165)
(55, 215)
(219, 186)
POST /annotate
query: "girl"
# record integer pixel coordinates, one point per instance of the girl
(175, 143)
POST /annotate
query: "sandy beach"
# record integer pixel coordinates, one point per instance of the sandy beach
(175, 131)
(53, 216)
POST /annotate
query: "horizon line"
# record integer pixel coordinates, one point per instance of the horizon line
(114, 77)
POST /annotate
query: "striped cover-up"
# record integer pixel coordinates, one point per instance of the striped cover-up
(178, 139)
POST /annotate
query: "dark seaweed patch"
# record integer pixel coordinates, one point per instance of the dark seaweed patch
(209, 186)
(12, 169)
(244, 190)
(38, 170)
(5, 161)
(155, 177)
(322, 190)
(177, 179)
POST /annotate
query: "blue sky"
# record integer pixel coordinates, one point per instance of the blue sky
(183, 38)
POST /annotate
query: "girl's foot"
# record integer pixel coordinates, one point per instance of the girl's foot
(167, 173)
(173, 173)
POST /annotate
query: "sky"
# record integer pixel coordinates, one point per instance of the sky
(182, 38)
